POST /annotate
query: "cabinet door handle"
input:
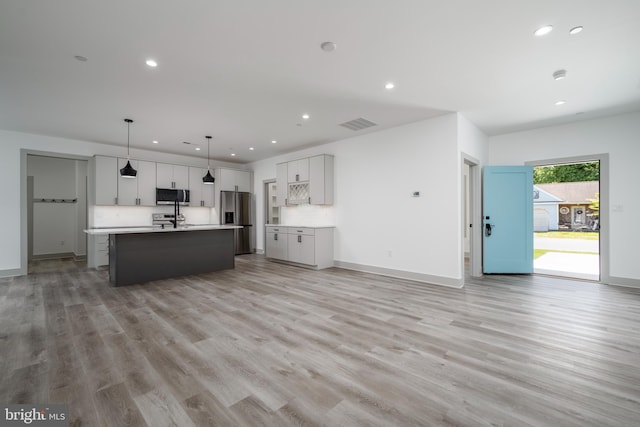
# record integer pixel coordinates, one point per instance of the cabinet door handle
(297, 177)
(275, 236)
(299, 239)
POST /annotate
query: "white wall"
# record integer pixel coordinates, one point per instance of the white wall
(378, 222)
(618, 136)
(13, 149)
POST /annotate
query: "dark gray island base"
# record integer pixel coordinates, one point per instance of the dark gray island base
(142, 257)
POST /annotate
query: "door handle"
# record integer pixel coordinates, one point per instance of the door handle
(299, 239)
(488, 229)
(275, 236)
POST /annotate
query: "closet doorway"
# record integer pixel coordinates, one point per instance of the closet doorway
(56, 212)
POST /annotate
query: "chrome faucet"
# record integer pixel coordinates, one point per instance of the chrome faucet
(176, 213)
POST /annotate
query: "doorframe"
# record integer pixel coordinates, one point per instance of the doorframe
(265, 192)
(24, 220)
(475, 215)
(604, 237)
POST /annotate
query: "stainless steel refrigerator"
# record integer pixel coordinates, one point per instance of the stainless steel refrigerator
(235, 208)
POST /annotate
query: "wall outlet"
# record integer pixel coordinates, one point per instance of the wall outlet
(61, 242)
(389, 254)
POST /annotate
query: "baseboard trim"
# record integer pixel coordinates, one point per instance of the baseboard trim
(12, 272)
(53, 256)
(623, 281)
(401, 274)
(260, 251)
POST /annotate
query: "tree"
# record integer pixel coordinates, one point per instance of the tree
(575, 172)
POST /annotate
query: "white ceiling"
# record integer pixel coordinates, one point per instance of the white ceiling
(245, 71)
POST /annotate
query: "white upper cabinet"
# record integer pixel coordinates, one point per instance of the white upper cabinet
(140, 190)
(305, 181)
(281, 184)
(201, 194)
(172, 176)
(233, 180)
(298, 170)
(321, 180)
(106, 180)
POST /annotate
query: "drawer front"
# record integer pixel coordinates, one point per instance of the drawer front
(302, 230)
(282, 230)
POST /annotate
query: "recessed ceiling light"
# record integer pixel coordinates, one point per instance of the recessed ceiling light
(233, 154)
(251, 148)
(151, 63)
(543, 30)
(560, 74)
(274, 142)
(576, 30)
(81, 58)
(328, 46)
(305, 116)
(197, 148)
(561, 102)
(155, 142)
(389, 86)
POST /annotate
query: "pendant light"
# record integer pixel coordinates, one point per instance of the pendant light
(128, 171)
(208, 178)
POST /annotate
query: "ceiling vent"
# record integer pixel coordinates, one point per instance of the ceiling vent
(358, 124)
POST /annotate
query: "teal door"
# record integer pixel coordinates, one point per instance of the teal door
(508, 219)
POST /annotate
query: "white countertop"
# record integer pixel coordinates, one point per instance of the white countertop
(158, 229)
(300, 226)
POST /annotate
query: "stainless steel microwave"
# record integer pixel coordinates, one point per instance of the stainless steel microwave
(168, 196)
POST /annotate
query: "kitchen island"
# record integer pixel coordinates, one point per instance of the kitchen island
(142, 254)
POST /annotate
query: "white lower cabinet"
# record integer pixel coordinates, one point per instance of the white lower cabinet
(302, 245)
(98, 253)
(305, 246)
(276, 243)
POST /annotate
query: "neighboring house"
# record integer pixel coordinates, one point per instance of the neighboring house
(545, 210)
(573, 210)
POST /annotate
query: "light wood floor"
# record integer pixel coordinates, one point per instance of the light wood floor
(268, 344)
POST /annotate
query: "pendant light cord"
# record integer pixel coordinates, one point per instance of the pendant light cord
(208, 152)
(128, 121)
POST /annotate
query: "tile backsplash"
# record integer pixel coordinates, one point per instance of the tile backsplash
(307, 215)
(133, 216)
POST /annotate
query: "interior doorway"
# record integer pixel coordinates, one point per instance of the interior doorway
(56, 191)
(271, 209)
(567, 219)
(471, 216)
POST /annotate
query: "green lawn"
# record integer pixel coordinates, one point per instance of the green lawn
(585, 235)
(537, 253)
